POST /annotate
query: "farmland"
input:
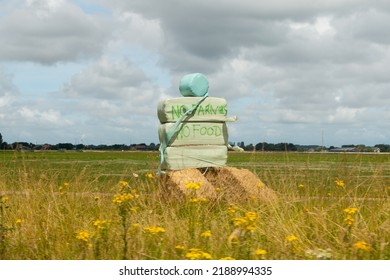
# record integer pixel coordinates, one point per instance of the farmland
(109, 205)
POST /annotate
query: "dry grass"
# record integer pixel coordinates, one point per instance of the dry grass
(108, 208)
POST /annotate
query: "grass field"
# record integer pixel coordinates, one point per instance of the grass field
(108, 205)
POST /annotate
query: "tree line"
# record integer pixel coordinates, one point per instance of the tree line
(261, 146)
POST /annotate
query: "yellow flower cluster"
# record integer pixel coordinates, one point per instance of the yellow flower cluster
(123, 184)
(349, 219)
(227, 259)
(351, 210)
(248, 222)
(180, 247)
(339, 183)
(100, 224)
(193, 186)
(198, 254)
(198, 199)
(154, 230)
(260, 252)
(232, 210)
(361, 245)
(291, 238)
(123, 197)
(83, 235)
(206, 234)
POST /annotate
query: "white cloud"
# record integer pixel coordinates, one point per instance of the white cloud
(51, 31)
(39, 117)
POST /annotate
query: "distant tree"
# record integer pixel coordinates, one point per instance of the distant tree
(65, 146)
(80, 146)
(1, 140)
(249, 147)
(260, 146)
(153, 147)
(383, 147)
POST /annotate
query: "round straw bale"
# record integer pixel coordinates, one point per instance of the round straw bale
(239, 184)
(174, 184)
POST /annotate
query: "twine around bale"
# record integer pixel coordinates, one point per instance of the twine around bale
(168, 136)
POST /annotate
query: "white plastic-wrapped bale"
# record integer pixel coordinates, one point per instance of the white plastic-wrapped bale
(182, 157)
(212, 109)
(195, 133)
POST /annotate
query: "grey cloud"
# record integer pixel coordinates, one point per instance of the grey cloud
(50, 36)
(106, 79)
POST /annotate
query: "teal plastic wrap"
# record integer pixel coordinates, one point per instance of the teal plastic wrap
(195, 85)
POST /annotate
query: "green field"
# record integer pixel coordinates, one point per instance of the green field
(108, 205)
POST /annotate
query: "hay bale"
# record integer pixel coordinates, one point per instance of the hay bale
(173, 184)
(239, 184)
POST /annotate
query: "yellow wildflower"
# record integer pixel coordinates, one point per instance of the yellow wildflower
(227, 259)
(198, 199)
(250, 227)
(83, 235)
(100, 224)
(180, 247)
(238, 222)
(301, 186)
(123, 184)
(121, 198)
(198, 254)
(217, 189)
(291, 238)
(340, 183)
(251, 216)
(19, 221)
(206, 234)
(4, 199)
(361, 245)
(351, 210)
(154, 230)
(149, 176)
(260, 252)
(349, 220)
(135, 225)
(232, 210)
(96, 198)
(246, 223)
(260, 184)
(194, 186)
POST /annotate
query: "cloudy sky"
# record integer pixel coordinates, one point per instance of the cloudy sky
(93, 71)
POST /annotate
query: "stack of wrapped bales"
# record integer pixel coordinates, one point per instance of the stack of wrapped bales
(193, 131)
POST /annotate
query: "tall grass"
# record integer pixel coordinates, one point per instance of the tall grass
(111, 206)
